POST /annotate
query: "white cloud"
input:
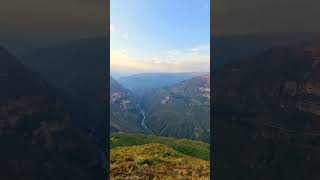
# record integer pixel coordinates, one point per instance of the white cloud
(201, 48)
(174, 52)
(118, 32)
(125, 36)
(195, 59)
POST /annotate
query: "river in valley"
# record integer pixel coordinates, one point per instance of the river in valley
(143, 122)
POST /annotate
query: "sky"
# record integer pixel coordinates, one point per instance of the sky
(172, 24)
(232, 17)
(159, 36)
(30, 24)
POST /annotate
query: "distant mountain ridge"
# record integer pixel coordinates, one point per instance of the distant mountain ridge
(144, 82)
(71, 65)
(248, 45)
(78, 68)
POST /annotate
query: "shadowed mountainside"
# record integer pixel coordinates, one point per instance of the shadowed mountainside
(78, 68)
(267, 116)
(232, 48)
(182, 110)
(124, 111)
(40, 138)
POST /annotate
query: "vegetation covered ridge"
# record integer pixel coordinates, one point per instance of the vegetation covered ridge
(196, 149)
(155, 161)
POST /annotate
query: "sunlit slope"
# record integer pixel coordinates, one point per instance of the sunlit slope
(150, 157)
(195, 149)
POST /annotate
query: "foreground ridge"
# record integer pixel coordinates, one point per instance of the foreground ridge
(156, 161)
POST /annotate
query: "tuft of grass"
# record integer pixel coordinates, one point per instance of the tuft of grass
(191, 148)
(155, 161)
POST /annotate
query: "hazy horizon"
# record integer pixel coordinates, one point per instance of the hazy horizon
(119, 75)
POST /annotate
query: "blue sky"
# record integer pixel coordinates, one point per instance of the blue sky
(160, 36)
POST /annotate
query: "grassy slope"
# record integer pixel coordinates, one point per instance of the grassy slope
(195, 149)
(155, 161)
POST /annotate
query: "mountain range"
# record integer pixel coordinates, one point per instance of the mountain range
(232, 48)
(40, 138)
(266, 115)
(78, 68)
(177, 107)
(182, 110)
(125, 115)
(142, 83)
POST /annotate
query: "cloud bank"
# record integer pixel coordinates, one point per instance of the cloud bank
(196, 59)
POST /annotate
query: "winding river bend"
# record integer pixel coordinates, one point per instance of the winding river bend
(143, 122)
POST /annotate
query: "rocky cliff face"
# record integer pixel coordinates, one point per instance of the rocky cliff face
(182, 110)
(267, 115)
(125, 115)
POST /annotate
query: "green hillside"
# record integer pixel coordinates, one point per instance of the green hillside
(136, 156)
(180, 111)
(195, 149)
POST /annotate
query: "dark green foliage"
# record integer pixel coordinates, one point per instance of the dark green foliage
(151, 157)
(181, 111)
(191, 148)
